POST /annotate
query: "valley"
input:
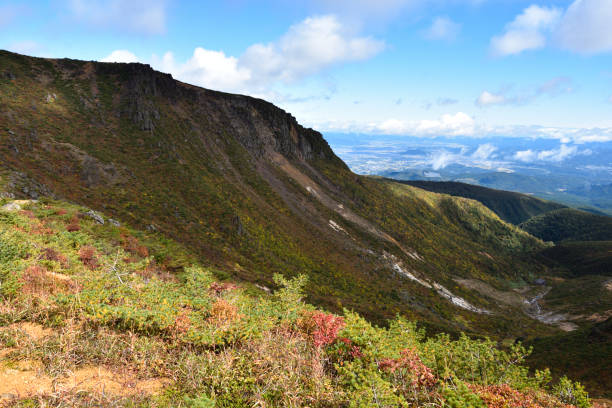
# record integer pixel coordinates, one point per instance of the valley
(220, 200)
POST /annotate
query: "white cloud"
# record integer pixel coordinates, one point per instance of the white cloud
(442, 28)
(525, 155)
(484, 151)
(120, 56)
(141, 16)
(487, 98)
(453, 125)
(442, 159)
(458, 124)
(212, 69)
(586, 27)
(554, 155)
(526, 32)
(307, 48)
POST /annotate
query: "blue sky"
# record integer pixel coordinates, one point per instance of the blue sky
(414, 67)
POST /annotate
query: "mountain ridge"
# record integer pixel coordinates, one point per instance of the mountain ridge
(240, 182)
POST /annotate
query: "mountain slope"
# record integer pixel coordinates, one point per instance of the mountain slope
(93, 313)
(568, 224)
(252, 192)
(509, 206)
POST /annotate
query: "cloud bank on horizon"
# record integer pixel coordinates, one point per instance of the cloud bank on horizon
(388, 67)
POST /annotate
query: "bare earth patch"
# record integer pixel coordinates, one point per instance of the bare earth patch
(27, 379)
(34, 331)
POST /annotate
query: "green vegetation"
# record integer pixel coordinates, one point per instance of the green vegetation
(231, 188)
(111, 301)
(580, 258)
(509, 206)
(586, 353)
(570, 225)
(210, 170)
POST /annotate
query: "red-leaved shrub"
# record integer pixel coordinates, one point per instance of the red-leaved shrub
(325, 328)
(73, 225)
(51, 254)
(408, 369)
(87, 255)
(133, 246)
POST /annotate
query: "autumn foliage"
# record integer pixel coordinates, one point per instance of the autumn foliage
(409, 369)
(87, 255)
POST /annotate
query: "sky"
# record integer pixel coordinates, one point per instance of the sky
(475, 68)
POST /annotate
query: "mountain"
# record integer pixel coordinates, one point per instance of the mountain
(509, 206)
(248, 193)
(568, 224)
(94, 313)
(247, 188)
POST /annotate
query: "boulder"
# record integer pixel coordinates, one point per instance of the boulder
(95, 216)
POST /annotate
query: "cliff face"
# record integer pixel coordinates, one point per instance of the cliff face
(247, 188)
(258, 125)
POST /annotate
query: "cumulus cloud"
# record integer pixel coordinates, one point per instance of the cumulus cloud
(586, 27)
(207, 68)
(442, 28)
(554, 155)
(527, 31)
(307, 48)
(141, 16)
(120, 56)
(484, 151)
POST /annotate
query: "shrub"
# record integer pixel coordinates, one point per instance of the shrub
(73, 225)
(133, 246)
(323, 328)
(572, 393)
(460, 396)
(408, 371)
(87, 255)
(51, 254)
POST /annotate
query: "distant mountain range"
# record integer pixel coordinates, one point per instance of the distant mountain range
(577, 175)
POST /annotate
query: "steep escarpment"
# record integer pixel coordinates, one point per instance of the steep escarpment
(242, 184)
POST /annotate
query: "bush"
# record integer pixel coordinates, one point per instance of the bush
(87, 255)
(460, 396)
(572, 393)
